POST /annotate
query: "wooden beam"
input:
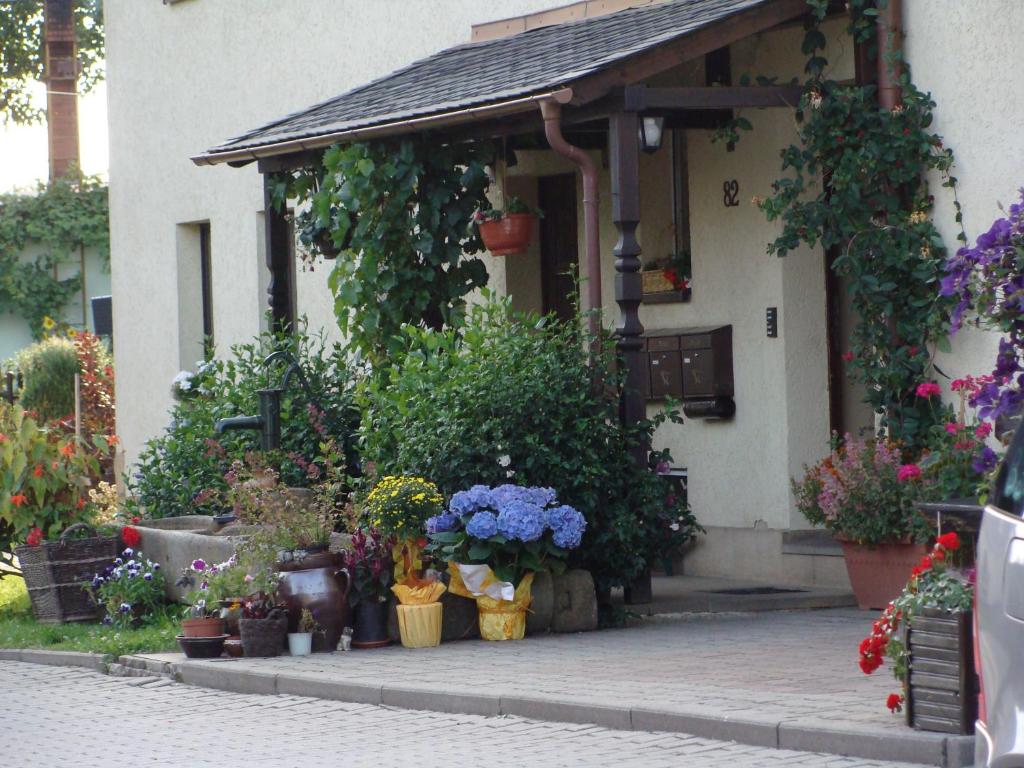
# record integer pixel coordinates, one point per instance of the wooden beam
(307, 159)
(278, 240)
(721, 97)
(624, 150)
(691, 46)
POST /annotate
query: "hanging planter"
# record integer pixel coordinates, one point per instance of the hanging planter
(507, 232)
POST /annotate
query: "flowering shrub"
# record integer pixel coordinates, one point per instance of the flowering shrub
(863, 492)
(507, 528)
(131, 589)
(370, 567)
(987, 279)
(400, 506)
(934, 583)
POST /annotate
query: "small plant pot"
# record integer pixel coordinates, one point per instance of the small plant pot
(508, 235)
(300, 643)
(231, 615)
(202, 647)
(208, 627)
(420, 625)
(371, 625)
(264, 637)
(233, 647)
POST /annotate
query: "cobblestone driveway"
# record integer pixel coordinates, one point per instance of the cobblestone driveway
(73, 717)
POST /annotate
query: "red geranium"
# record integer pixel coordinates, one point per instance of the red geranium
(130, 536)
(949, 541)
(894, 702)
(35, 537)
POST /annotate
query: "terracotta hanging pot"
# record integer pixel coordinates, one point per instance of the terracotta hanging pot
(508, 235)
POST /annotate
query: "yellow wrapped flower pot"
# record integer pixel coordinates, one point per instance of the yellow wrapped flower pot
(420, 625)
(501, 611)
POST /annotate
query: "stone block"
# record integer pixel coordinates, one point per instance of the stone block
(575, 602)
(176, 549)
(542, 606)
(459, 618)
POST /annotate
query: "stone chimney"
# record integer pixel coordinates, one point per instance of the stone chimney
(61, 76)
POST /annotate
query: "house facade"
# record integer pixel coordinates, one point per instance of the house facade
(190, 245)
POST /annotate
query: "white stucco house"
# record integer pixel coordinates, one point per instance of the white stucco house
(189, 242)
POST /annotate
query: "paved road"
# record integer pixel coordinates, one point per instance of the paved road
(55, 717)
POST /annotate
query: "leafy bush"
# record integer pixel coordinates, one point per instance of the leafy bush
(514, 398)
(49, 367)
(189, 458)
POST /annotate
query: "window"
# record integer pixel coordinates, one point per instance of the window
(681, 205)
(206, 282)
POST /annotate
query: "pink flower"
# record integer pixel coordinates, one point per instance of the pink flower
(847, 357)
(928, 389)
(983, 431)
(952, 428)
(908, 472)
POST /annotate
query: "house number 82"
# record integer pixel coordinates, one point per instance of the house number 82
(731, 190)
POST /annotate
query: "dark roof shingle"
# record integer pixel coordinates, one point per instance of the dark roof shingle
(485, 72)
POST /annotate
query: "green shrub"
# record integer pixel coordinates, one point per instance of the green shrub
(513, 399)
(49, 367)
(189, 458)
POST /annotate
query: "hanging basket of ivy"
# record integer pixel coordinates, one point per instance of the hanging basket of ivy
(508, 232)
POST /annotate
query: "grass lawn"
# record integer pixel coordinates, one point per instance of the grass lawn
(19, 630)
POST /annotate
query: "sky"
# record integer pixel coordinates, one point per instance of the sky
(23, 151)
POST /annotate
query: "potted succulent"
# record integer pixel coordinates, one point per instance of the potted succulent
(927, 630)
(300, 643)
(495, 539)
(864, 494)
(509, 231)
(370, 565)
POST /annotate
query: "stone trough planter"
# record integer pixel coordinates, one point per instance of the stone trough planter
(175, 542)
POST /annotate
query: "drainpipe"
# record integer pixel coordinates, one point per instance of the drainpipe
(890, 52)
(552, 113)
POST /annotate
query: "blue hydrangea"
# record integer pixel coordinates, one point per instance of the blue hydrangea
(505, 494)
(542, 497)
(567, 526)
(443, 523)
(475, 499)
(522, 521)
(482, 525)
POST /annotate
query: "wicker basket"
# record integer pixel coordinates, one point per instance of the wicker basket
(57, 574)
(264, 637)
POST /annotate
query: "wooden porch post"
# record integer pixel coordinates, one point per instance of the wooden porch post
(280, 291)
(624, 159)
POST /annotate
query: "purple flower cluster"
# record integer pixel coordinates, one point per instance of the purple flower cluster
(989, 279)
(522, 521)
(482, 525)
(567, 525)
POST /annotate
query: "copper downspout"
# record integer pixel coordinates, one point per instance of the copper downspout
(890, 54)
(551, 110)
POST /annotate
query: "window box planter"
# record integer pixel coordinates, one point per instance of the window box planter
(942, 685)
(659, 289)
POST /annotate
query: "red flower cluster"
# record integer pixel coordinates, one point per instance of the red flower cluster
(130, 536)
(872, 648)
(894, 702)
(35, 537)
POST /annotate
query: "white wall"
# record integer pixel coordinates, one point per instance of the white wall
(184, 77)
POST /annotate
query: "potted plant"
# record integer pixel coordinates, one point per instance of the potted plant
(263, 625)
(670, 275)
(300, 643)
(130, 590)
(398, 507)
(371, 568)
(509, 231)
(864, 494)
(926, 634)
(495, 539)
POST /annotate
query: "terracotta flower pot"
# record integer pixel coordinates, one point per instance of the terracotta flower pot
(879, 573)
(208, 627)
(508, 235)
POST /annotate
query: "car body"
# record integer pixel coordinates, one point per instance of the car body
(999, 617)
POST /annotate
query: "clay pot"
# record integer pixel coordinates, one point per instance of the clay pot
(208, 627)
(202, 647)
(324, 591)
(371, 627)
(878, 574)
(508, 235)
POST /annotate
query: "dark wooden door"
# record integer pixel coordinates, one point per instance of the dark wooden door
(559, 257)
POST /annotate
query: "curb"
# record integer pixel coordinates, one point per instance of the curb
(910, 746)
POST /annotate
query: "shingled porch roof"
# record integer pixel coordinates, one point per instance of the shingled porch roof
(499, 77)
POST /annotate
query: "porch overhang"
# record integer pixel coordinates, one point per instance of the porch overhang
(575, 64)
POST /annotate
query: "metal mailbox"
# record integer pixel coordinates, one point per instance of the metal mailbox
(695, 365)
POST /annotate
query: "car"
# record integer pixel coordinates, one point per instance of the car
(999, 617)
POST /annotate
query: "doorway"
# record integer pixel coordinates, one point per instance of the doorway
(559, 244)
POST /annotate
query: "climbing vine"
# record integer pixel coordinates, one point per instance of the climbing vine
(856, 184)
(398, 216)
(59, 218)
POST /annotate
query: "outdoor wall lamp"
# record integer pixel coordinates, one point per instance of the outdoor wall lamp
(651, 131)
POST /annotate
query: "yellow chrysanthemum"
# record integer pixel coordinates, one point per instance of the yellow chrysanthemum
(48, 323)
